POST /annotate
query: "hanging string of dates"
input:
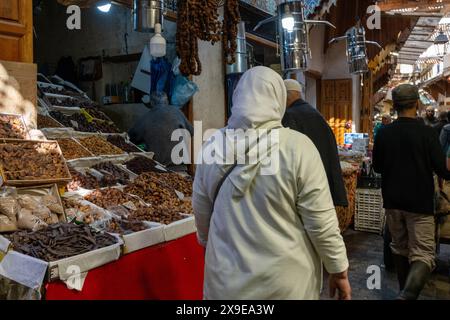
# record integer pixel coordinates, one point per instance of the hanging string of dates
(200, 19)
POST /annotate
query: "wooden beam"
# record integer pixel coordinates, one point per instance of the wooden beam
(260, 41)
(389, 5)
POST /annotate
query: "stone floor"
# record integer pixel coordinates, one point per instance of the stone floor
(366, 249)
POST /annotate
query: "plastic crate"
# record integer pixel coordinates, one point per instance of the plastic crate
(370, 215)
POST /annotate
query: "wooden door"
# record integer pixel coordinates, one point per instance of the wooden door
(336, 106)
(16, 30)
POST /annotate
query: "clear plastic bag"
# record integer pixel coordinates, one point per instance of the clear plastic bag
(26, 220)
(8, 203)
(182, 91)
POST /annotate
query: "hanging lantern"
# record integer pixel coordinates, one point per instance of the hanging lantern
(441, 43)
(146, 14)
(293, 29)
(356, 49)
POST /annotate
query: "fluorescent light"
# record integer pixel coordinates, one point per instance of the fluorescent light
(288, 22)
(105, 8)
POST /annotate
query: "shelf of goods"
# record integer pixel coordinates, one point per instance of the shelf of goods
(91, 200)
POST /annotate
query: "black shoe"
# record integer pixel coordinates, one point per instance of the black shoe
(402, 267)
(416, 281)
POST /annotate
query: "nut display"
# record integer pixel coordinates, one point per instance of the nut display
(12, 127)
(159, 215)
(110, 197)
(32, 161)
(112, 174)
(59, 241)
(99, 146)
(175, 181)
(79, 180)
(72, 149)
(141, 165)
(120, 142)
(47, 122)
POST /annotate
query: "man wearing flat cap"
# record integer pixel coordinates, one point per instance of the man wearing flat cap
(302, 117)
(407, 153)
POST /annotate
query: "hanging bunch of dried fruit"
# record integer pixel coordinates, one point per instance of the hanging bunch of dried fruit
(199, 19)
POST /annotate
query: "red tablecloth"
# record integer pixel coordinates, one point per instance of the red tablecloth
(170, 271)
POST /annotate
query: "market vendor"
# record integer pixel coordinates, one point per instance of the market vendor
(302, 117)
(155, 128)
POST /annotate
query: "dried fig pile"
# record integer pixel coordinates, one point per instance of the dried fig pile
(47, 122)
(59, 241)
(32, 161)
(72, 149)
(124, 227)
(175, 181)
(12, 127)
(99, 146)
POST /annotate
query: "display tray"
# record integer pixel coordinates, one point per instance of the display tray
(65, 268)
(22, 120)
(143, 239)
(55, 95)
(65, 110)
(179, 228)
(34, 182)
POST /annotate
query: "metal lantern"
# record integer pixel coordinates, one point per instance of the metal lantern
(293, 29)
(241, 65)
(356, 49)
(146, 14)
(441, 43)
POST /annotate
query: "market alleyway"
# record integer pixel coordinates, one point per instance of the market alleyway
(365, 249)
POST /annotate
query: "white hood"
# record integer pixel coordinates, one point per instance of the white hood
(259, 100)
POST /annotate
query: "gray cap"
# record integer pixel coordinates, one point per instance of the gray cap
(405, 93)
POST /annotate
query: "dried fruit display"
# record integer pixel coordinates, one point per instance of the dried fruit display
(158, 194)
(112, 174)
(141, 165)
(59, 241)
(175, 181)
(120, 142)
(110, 197)
(79, 123)
(72, 149)
(200, 20)
(47, 122)
(99, 146)
(12, 127)
(64, 102)
(97, 114)
(79, 180)
(124, 227)
(159, 215)
(32, 161)
(82, 212)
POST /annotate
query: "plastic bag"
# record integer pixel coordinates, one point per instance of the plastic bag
(26, 220)
(182, 91)
(9, 207)
(6, 224)
(52, 203)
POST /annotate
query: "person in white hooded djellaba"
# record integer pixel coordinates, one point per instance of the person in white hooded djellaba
(267, 233)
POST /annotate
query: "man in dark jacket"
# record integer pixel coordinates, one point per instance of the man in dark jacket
(406, 153)
(302, 117)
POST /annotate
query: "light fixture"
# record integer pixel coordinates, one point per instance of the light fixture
(158, 43)
(288, 22)
(441, 43)
(104, 6)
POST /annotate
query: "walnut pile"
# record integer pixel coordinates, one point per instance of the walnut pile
(110, 197)
(32, 161)
(159, 215)
(12, 127)
(158, 194)
(72, 149)
(99, 146)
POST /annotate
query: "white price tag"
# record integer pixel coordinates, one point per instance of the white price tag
(130, 205)
(74, 124)
(160, 168)
(180, 195)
